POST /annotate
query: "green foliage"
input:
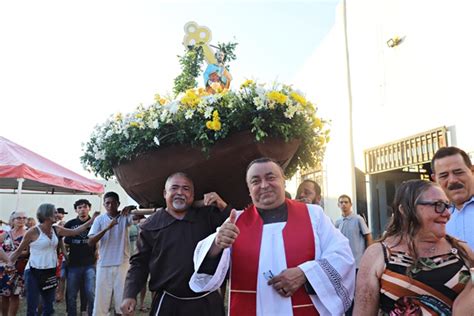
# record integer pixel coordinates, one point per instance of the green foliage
(228, 50)
(191, 63)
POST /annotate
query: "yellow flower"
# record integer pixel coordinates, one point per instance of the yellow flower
(190, 99)
(277, 97)
(215, 124)
(163, 101)
(246, 83)
(298, 98)
(134, 124)
(202, 92)
(118, 117)
(322, 140)
(139, 115)
(317, 123)
(309, 107)
(157, 98)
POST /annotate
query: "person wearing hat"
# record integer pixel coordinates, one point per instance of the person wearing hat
(60, 216)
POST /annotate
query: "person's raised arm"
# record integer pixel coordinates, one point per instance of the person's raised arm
(62, 231)
(127, 210)
(25, 242)
(94, 239)
(145, 211)
(367, 293)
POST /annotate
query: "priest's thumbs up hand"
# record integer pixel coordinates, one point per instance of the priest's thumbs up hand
(226, 235)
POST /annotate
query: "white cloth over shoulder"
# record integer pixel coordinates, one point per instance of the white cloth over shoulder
(332, 274)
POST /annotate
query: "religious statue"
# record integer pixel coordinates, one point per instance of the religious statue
(216, 76)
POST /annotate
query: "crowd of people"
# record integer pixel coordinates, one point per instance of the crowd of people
(281, 256)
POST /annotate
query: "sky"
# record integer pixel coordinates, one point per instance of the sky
(65, 66)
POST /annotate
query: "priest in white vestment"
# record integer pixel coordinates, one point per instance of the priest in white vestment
(286, 257)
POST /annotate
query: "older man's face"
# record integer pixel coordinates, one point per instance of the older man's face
(266, 185)
(455, 178)
(179, 194)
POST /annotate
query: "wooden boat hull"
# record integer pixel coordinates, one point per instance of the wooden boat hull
(222, 171)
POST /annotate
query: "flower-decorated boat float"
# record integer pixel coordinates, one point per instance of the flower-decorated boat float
(211, 133)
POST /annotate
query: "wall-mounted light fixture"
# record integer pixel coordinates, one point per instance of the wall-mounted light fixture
(395, 41)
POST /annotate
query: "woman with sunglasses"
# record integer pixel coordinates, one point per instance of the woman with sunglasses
(416, 268)
(11, 278)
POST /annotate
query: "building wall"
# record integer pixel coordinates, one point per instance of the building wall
(419, 85)
(423, 83)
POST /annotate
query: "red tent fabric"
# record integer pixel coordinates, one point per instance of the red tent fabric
(40, 174)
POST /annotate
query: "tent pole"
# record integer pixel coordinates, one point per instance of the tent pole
(100, 202)
(18, 197)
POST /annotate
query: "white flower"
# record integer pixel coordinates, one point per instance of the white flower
(155, 124)
(172, 107)
(259, 103)
(261, 92)
(109, 133)
(290, 111)
(164, 115)
(208, 112)
(189, 114)
(156, 140)
(100, 155)
(211, 99)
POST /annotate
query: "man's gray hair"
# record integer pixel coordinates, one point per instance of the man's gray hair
(45, 211)
(178, 174)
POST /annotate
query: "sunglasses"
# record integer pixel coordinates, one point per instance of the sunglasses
(20, 217)
(439, 206)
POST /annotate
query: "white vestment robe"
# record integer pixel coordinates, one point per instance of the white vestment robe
(332, 274)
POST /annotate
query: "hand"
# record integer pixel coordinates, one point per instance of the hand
(305, 200)
(4, 257)
(127, 209)
(213, 198)
(94, 216)
(288, 281)
(8, 259)
(128, 306)
(464, 304)
(113, 222)
(228, 232)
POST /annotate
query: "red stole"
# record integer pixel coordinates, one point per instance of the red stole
(299, 244)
